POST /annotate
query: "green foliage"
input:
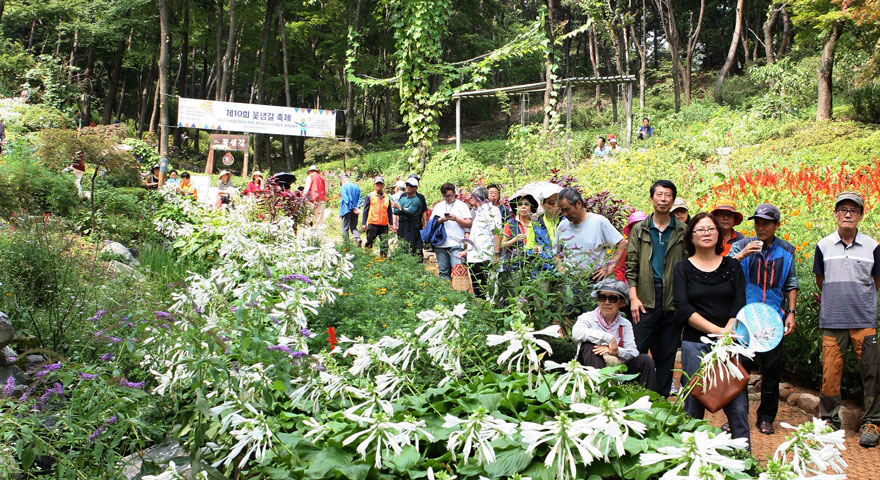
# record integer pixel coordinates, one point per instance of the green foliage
(533, 151)
(14, 62)
(44, 275)
(56, 148)
(38, 117)
(143, 150)
(866, 103)
(46, 82)
(123, 215)
(385, 295)
(29, 185)
(790, 86)
(322, 150)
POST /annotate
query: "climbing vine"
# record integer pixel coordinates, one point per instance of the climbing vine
(424, 81)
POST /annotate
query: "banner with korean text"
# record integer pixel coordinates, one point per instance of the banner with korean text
(252, 118)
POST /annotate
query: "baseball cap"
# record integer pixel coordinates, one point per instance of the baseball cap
(679, 203)
(852, 197)
(767, 212)
(414, 175)
(612, 140)
(313, 168)
(400, 184)
(379, 179)
(412, 182)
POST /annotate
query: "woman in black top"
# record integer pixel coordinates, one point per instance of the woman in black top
(708, 291)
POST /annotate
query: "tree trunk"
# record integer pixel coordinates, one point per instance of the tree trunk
(164, 90)
(731, 53)
(641, 44)
(693, 38)
(594, 62)
(31, 37)
(786, 33)
(227, 57)
(768, 34)
(349, 97)
(666, 12)
(548, 76)
(154, 117)
(87, 85)
(72, 53)
(259, 139)
(218, 62)
(145, 95)
(113, 87)
(2, 7)
(282, 27)
(826, 67)
(183, 66)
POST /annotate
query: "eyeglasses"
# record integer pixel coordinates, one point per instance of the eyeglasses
(705, 231)
(607, 298)
(851, 211)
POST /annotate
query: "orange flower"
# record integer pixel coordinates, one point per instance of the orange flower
(787, 237)
(809, 225)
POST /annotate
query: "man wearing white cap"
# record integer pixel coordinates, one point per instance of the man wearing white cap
(316, 192)
(377, 216)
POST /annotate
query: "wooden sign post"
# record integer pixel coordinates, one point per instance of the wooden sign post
(227, 142)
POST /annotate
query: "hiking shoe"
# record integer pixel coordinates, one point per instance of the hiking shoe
(870, 435)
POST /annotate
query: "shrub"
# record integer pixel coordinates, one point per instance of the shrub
(791, 87)
(55, 148)
(145, 153)
(866, 103)
(39, 117)
(322, 150)
(28, 185)
(14, 62)
(46, 82)
(122, 215)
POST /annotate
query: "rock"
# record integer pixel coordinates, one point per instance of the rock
(159, 454)
(21, 380)
(793, 398)
(34, 362)
(117, 249)
(7, 356)
(120, 268)
(755, 397)
(754, 379)
(785, 391)
(851, 417)
(6, 331)
(809, 403)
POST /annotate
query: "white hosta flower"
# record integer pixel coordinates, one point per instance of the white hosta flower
(381, 435)
(477, 431)
(318, 430)
(413, 430)
(441, 475)
(609, 420)
(522, 345)
(578, 377)
(717, 365)
(698, 452)
(367, 409)
(365, 354)
(814, 448)
(565, 437)
(169, 474)
(389, 385)
(253, 433)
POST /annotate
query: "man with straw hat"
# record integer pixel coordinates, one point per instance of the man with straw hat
(316, 192)
(727, 216)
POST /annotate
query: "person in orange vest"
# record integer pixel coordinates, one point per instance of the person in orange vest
(377, 216)
(727, 216)
(316, 192)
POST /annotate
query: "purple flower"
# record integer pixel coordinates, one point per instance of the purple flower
(275, 320)
(161, 314)
(48, 368)
(305, 332)
(107, 357)
(294, 276)
(165, 326)
(98, 315)
(88, 376)
(111, 420)
(284, 287)
(58, 389)
(234, 309)
(114, 339)
(225, 338)
(197, 309)
(130, 324)
(298, 354)
(10, 386)
(268, 272)
(11, 359)
(279, 348)
(125, 383)
(169, 285)
(96, 433)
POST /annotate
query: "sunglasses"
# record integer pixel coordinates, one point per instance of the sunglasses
(607, 298)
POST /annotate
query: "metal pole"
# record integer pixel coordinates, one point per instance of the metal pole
(522, 110)
(458, 124)
(629, 114)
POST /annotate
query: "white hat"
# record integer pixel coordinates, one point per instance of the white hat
(225, 172)
(257, 174)
(313, 168)
(612, 140)
(400, 184)
(412, 182)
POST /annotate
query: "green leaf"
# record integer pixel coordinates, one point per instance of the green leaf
(27, 458)
(490, 401)
(508, 462)
(357, 471)
(407, 459)
(326, 460)
(543, 392)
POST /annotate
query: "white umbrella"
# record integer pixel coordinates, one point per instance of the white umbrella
(538, 190)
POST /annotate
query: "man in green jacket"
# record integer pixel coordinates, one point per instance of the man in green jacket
(655, 245)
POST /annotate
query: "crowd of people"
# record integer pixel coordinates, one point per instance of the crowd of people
(606, 145)
(672, 278)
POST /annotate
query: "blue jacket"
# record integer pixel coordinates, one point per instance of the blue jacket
(767, 273)
(434, 233)
(349, 198)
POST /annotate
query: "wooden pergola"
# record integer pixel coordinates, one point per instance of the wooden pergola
(539, 87)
